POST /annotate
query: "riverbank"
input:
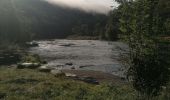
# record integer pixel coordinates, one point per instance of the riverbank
(27, 84)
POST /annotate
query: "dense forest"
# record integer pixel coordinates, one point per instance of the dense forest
(23, 20)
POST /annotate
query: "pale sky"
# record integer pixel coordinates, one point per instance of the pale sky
(98, 6)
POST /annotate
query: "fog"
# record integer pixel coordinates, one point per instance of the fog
(97, 6)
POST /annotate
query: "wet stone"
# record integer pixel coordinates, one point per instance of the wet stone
(67, 45)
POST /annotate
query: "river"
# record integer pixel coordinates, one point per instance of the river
(93, 55)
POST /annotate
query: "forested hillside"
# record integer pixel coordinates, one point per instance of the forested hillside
(22, 20)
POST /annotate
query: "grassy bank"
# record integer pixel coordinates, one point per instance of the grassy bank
(25, 84)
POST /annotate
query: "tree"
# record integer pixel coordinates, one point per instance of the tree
(112, 27)
(141, 26)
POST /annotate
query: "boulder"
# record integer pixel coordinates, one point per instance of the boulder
(70, 75)
(28, 65)
(44, 69)
(58, 73)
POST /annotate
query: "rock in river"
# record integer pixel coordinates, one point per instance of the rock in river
(69, 64)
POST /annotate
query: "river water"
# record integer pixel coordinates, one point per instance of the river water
(92, 55)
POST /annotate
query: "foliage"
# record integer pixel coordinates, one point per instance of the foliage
(141, 25)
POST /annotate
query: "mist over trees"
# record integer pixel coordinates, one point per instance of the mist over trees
(24, 20)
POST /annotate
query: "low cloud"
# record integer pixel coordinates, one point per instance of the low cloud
(97, 6)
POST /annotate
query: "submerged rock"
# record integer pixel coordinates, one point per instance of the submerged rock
(67, 45)
(85, 66)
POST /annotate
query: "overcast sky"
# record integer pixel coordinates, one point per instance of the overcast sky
(99, 6)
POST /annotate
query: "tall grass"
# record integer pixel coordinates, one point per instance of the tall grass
(28, 84)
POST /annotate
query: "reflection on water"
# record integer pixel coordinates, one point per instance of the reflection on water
(81, 54)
